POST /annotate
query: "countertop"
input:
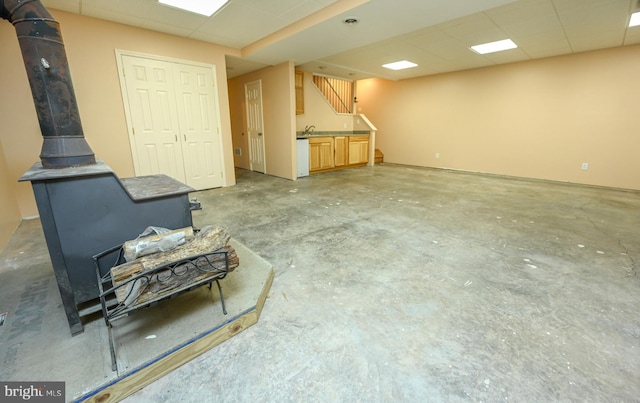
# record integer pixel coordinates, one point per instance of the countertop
(301, 135)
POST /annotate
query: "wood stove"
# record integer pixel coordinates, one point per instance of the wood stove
(84, 207)
(85, 210)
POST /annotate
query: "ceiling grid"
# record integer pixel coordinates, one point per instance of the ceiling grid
(435, 34)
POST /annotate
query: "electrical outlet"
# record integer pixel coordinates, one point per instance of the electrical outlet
(238, 151)
(437, 155)
(585, 166)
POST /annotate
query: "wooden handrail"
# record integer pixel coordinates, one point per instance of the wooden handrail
(338, 92)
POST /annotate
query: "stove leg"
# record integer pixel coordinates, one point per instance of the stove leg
(224, 308)
(112, 349)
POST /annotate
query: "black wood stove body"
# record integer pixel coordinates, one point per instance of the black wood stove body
(86, 210)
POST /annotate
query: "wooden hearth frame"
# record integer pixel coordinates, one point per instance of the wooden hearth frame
(114, 308)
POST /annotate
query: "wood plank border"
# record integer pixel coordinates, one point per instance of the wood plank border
(142, 376)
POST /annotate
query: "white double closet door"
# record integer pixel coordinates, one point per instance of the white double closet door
(173, 117)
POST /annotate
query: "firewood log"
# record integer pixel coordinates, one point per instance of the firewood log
(209, 239)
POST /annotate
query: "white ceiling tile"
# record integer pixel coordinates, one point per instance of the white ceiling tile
(508, 56)
(234, 20)
(547, 52)
(596, 41)
(278, 7)
(632, 36)
(521, 9)
(463, 27)
(448, 49)
(373, 53)
(326, 3)
(169, 16)
(572, 6)
(138, 8)
(603, 13)
(467, 63)
(166, 28)
(526, 18)
(109, 15)
(474, 31)
(72, 6)
(582, 38)
(424, 36)
(544, 44)
(302, 10)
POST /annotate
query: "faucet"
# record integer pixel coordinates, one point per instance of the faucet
(308, 129)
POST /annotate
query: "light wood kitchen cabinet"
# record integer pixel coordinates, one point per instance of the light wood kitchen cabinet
(337, 152)
(299, 86)
(358, 150)
(341, 153)
(320, 153)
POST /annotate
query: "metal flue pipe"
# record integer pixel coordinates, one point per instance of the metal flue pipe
(45, 60)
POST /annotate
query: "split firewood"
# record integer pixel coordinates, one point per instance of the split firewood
(146, 245)
(210, 239)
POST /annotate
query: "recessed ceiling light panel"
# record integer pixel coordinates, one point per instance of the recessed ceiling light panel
(403, 64)
(635, 19)
(203, 7)
(496, 46)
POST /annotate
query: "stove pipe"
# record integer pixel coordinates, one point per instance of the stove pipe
(48, 71)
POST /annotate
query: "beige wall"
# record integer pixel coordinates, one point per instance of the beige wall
(9, 211)
(318, 112)
(278, 106)
(537, 119)
(90, 45)
(20, 135)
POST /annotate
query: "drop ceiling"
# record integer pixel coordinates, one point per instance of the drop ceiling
(435, 34)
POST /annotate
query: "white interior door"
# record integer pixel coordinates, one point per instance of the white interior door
(201, 147)
(255, 131)
(153, 117)
(174, 120)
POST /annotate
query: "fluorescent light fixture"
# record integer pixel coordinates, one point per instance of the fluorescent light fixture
(203, 7)
(496, 46)
(403, 64)
(635, 19)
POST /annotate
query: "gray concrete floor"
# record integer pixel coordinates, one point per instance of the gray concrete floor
(396, 283)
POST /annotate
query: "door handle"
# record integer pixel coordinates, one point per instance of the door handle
(185, 137)
(176, 136)
(259, 134)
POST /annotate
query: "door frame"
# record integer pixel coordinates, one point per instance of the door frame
(127, 110)
(246, 111)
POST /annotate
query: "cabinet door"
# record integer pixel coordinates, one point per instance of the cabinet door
(358, 150)
(320, 153)
(326, 155)
(314, 157)
(299, 86)
(341, 151)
